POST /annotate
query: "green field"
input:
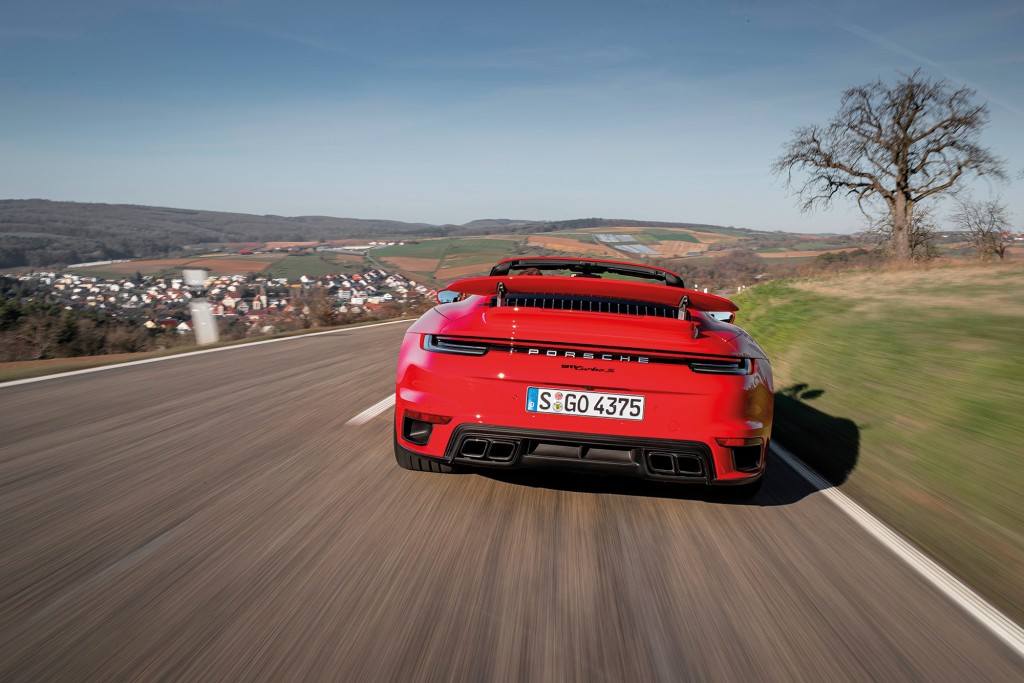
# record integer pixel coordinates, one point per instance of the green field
(40, 235)
(819, 246)
(907, 389)
(425, 249)
(314, 265)
(663, 235)
(473, 246)
(451, 252)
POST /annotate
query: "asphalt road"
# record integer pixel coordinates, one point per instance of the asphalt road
(213, 517)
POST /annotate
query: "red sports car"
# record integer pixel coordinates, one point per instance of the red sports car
(584, 364)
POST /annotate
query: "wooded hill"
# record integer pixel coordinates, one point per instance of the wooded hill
(41, 233)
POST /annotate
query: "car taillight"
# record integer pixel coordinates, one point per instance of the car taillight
(434, 343)
(740, 366)
(428, 417)
(730, 442)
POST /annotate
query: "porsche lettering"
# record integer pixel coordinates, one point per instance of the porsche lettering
(586, 355)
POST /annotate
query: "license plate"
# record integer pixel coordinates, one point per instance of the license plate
(584, 403)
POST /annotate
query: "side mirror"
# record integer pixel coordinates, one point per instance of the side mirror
(723, 316)
(446, 296)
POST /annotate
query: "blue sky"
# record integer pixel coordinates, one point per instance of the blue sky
(449, 111)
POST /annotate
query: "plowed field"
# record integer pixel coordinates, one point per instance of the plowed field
(571, 246)
(418, 265)
(462, 271)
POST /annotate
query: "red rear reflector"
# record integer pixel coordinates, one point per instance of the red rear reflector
(739, 443)
(428, 417)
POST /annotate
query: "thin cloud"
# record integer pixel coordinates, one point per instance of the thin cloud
(896, 48)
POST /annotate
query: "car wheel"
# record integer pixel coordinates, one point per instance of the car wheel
(408, 460)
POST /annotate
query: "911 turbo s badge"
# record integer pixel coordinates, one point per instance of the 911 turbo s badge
(586, 368)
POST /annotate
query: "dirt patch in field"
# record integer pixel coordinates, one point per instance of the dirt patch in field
(353, 258)
(418, 265)
(231, 265)
(572, 246)
(219, 265)
(678, 248)
(288, 245)
(144, 267)
(706, 237)
(712, 237)
(621, 228)
(788, 254)
(462, 271)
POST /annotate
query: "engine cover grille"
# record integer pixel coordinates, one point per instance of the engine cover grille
(589, 304)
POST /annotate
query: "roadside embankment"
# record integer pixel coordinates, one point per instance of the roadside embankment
(906, 388)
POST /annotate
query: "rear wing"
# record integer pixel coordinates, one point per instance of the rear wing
(594, 287)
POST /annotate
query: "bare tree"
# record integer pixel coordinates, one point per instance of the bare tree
(920, 234)
(890, 148)
(316, 307)
(987, 224)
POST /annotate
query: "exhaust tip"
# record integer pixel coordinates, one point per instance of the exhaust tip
(502, 450)
(675, 464)
(474, 448)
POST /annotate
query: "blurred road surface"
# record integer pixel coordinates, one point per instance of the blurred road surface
(213, 517)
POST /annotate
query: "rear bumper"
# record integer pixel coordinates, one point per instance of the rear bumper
(493, 446)
(699, 428)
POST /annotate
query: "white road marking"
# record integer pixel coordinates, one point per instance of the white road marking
(43, 378)
(373, 411)
(972, 603)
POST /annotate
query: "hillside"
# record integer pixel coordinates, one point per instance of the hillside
(41, 233)
(907, 388)
(38, 232)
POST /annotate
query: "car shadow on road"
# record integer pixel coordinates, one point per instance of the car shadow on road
(828, 444)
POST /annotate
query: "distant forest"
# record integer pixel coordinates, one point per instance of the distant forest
(45, 234)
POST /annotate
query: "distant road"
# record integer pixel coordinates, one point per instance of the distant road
(218, 517)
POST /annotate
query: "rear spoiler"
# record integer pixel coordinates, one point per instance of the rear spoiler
(588, 286)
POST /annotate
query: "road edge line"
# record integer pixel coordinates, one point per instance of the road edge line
(953, 588)
(373, 411)
(197, 352)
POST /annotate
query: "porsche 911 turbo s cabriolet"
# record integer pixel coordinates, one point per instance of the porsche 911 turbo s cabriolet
(589, 365)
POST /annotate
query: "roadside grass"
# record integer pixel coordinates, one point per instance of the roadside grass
(907, 388)
(10, 371)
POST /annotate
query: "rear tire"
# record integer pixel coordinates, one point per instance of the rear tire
(408, 460)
